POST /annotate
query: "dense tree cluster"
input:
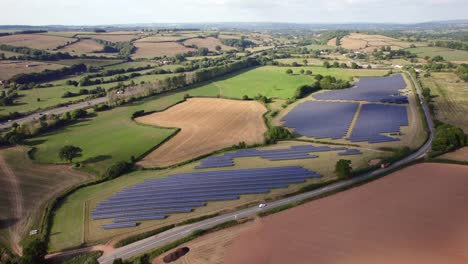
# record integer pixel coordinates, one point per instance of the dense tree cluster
(125, 49)
(241, 43)
(331, 83)
(447, 138)
(343, 168)
(462, 72)
(97, 91)
(7, 99)
(210, 73)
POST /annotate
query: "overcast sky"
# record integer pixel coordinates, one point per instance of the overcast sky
(93, 12)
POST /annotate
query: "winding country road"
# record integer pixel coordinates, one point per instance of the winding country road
(147, 244)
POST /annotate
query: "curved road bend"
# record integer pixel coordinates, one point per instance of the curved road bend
(159, 240)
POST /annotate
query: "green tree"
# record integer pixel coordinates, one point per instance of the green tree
(343, 168)
(34, 252)
(326, 64)
(295, 64)
(289, 71)
(69, 152)
(305, 62)
(302, 71)
(218, 47)
(308, 72)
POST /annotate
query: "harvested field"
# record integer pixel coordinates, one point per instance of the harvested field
(209, 43)
(206, 125)
(209, 249)
(151, 50)
(162, 38)
(458, 56)
(410, 216)
(25, 188)
(9, 69)
(83, 46)
(36, 41)
(332, 42)
(459, 155)
(365, 42)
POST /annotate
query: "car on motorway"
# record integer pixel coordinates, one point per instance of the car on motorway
(262, 205)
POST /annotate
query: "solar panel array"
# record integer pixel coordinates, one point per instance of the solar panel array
(375, 119)
(321, 119)
(180, 193)
(292, 153)
(350, 152)
(371, 89)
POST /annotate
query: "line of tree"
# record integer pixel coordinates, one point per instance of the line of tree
(210, 73)
(48, 75)
(97, 91)
(7, 99)
(86, 80)
(459, 45)
(35, 54)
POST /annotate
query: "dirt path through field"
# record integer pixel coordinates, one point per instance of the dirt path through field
(15, 197)
(206, 125)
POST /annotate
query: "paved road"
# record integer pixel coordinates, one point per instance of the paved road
(147, 244)
(55, 111)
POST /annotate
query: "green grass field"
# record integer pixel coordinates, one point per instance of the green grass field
(70, 225)
(117, 136)
(273, 81)
(448, 54)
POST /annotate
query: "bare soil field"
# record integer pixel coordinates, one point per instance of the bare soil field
(459, 155)
(209, 249)
(209, 43)
(206, 125)
(83, 46)
(364, 42)
(151, 50)
(25, 189)
(9, 69)
(410, 216)
(36, 41)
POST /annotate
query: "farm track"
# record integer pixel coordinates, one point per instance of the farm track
(15, 197)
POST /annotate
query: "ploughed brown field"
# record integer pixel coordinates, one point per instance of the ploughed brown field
(206, 125)
(36, 41)
(83, 46)
(151, 50)
(459, 154)
(209, 43)
(415, 215)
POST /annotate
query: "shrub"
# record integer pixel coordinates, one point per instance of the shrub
(343, 168)
(277, 133)
(138, 113)
(118, 169)
(304, 90)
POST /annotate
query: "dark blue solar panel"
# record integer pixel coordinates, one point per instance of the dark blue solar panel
(321, 119)
(292, 153)
(371, 89)
(350, 152)
(155, 198)
(375, 119)
(118, 225)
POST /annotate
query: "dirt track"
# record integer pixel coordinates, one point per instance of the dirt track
(206, 125)
(415, 215)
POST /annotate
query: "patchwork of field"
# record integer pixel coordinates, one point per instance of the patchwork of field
(25, 188)
(9, 69)
(151, 50)
(206, 125)
(124, 37)
(82, 47)
(128, 138)
(162, 38)
(36, 41)
(459, 56)
(451, 99)
(273, 81)
(391, 211)
(209, 43)
(68, 229)
(365, 42)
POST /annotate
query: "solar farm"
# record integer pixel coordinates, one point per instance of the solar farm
(292, 153)
(180, 193)
(376, 109)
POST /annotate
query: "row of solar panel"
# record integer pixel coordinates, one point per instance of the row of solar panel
(156, 198)
(370, 89)
(292, 153)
